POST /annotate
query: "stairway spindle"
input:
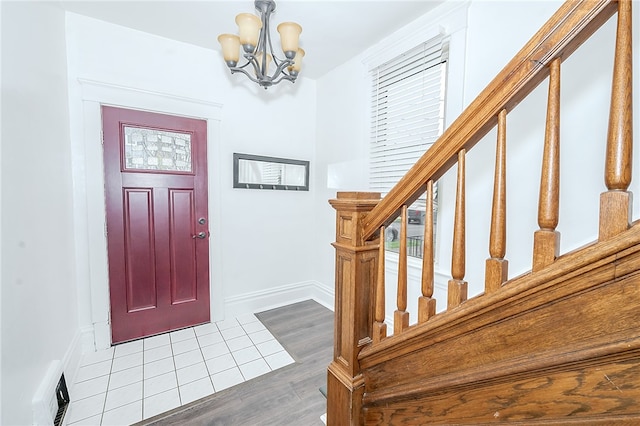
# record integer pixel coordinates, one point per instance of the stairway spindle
(457, 289)
(496, 266)
(379, 327)
(401, 316)
(615, 204)
(546, 241)
(426, 303)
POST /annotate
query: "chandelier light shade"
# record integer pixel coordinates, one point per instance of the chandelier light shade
(230, 48)
(289, 36)
(249, 30)
(254, 39)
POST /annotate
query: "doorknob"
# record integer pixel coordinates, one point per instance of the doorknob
(202, 235)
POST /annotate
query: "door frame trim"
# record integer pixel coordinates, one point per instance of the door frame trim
(89, 198)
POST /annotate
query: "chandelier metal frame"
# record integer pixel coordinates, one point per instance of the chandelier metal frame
(257, 56)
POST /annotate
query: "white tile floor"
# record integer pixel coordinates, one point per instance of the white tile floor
(137, 380)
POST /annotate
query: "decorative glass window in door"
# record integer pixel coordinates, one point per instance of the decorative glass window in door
(160, 150)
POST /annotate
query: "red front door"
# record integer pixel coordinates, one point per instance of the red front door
(157, 222)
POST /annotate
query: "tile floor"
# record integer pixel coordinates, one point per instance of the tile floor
(140, 379)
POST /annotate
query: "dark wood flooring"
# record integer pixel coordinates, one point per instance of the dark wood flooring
(287, 396)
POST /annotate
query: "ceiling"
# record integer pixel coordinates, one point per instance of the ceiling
(333, 31)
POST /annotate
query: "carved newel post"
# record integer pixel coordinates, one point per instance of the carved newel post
(356, 268)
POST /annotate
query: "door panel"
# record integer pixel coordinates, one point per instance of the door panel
(156, 190)
(182, 250)
(139, 250)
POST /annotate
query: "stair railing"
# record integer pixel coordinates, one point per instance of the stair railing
(362, 218)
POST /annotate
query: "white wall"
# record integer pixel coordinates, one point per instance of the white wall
(585, 97)
(1, 277)
(261, 240)
(39, 314)
(343, 128)
(264, 244)
(495, 31)
(340, 165)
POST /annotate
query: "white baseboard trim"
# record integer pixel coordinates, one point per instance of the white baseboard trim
(102, 335)
(95, 337)
(277, 297)
(325, 296)
(98, 335)
(72, 358)
(88, 339)
(43, 403)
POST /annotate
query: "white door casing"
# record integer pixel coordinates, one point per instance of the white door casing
(89, 198)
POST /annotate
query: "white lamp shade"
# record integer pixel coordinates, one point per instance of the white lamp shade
(230, 47)
(249, 26)
(289, 35)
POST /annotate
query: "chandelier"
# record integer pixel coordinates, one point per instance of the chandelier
(255, 39)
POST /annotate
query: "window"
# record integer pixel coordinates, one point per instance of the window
(407, 116)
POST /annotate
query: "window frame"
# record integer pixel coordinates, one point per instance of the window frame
(449, 19)
(408, 97)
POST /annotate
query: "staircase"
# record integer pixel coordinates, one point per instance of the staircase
(557, 345)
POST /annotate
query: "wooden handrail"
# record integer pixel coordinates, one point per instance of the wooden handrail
(567, 29)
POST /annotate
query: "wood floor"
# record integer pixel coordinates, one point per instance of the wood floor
(287, 396)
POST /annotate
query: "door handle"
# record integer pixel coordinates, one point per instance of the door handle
(202, 235)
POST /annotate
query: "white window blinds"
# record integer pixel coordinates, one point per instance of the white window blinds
(407, 111)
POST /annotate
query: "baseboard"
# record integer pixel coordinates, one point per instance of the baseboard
(98, 336)
(102, 335)
(324, 295)
(88, 339)
(43, 402)
(277, 297)
(73, 357)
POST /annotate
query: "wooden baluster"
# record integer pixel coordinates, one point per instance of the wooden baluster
(379, 327)
(426, 304)
(401, 316)
(496, 265)
(546, 241)
(457, 290)
(615, 204)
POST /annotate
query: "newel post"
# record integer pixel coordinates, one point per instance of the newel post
(356, 268)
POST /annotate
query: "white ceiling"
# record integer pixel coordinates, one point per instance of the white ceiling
(333, 31)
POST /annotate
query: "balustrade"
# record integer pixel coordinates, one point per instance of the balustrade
(360, 261)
